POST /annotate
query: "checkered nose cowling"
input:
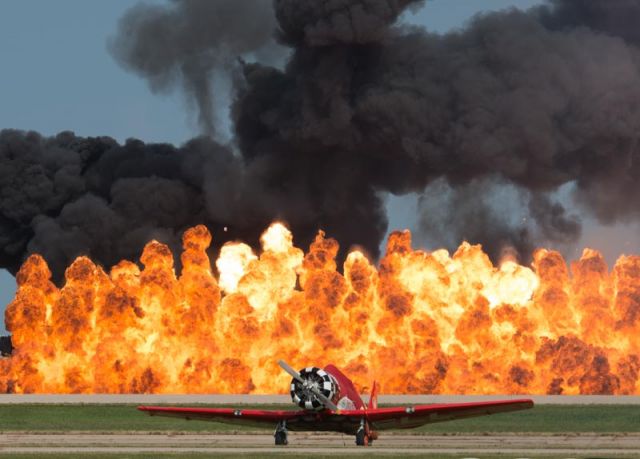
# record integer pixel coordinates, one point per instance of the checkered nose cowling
(315, 379)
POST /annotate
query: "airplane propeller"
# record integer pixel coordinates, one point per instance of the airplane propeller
(295, 375)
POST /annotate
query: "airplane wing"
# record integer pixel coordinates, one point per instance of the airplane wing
(414, 416)
(251, 418)
(343, 420)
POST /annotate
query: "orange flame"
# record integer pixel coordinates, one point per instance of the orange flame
(421, 323)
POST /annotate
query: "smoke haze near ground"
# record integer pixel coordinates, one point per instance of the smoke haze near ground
(526, 102)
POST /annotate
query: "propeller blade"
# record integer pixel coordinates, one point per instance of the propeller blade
(294, 374)
(325, 401)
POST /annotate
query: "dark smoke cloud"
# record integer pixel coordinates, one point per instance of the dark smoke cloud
(525, 98)
(338, 22)
(188, 41)
(66, 196)
(527, 102)
(618, 18)
(544, 99)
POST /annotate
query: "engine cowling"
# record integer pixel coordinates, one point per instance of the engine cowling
(317, 379)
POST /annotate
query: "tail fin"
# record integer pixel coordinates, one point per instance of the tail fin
(373, 399)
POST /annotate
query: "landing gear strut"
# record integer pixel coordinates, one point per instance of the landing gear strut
(281, 433)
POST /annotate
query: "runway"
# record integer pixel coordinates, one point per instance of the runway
(329, 444)
(244, 399)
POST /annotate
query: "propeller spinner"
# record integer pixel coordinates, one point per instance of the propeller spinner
(307, 387)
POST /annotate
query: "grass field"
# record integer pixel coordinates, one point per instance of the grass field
(118, 418)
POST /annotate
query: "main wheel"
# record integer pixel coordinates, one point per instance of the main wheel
(281, 438)
(361, 438)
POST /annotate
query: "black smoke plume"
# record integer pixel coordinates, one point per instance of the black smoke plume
(189, 42)
(527, 102)
(535, 100)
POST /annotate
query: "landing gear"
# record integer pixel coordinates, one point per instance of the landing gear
(281, 438)
(281, 433)
(362, 434)
(361, 438)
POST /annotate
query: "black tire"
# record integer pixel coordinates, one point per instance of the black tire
(281, 438)
(361, 438)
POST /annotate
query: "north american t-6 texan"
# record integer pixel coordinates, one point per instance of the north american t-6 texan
(330, 402)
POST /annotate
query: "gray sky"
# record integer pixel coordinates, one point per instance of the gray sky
(57, 75)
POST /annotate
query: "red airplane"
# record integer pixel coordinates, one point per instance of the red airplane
(330, 402)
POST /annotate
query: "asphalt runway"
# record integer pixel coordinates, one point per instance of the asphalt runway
(330, 444)
(243, 399)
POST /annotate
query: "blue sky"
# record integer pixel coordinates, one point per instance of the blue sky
(57, 75)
